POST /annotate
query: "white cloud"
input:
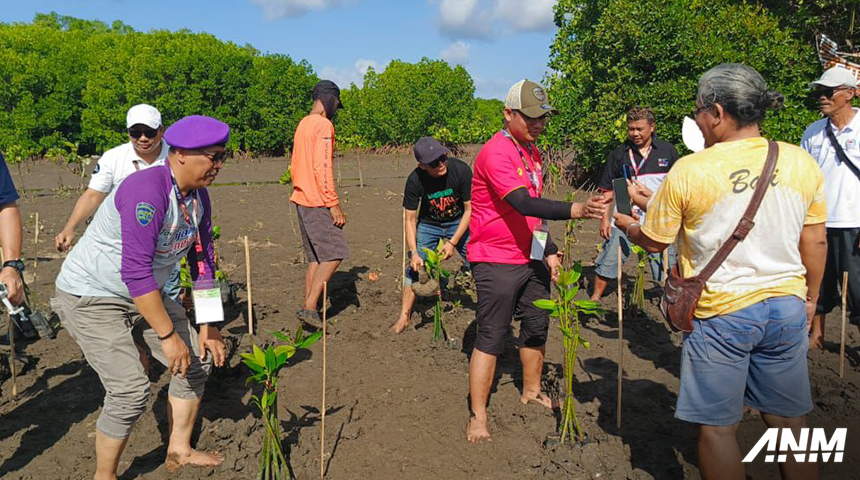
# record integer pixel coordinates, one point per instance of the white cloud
(294, 8)
(343, 77)
(492, 87)
(457, 53)
(483, 18)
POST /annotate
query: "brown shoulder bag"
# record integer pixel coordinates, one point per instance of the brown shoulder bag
(681, 295)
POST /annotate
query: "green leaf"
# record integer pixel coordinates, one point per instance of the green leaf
(259, 355)
(544, 304)
(253, 365)
(270, 359)
(271, 399)
(282, 337)
(288, 350)
(568, 333)
(582, 342)
(310, 340)
(568, 295)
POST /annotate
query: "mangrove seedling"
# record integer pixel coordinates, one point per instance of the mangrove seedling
(566, 309)
(638, 299)
(433, 265)
(265, 366)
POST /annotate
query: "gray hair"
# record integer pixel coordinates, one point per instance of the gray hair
(741, 90)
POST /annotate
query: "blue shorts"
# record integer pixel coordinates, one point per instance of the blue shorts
(755, 356)
(428, 236)
(607, 262)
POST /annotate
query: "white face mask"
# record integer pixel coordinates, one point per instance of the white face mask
(692, 135)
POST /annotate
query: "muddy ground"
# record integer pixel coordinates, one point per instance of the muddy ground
(397, 405)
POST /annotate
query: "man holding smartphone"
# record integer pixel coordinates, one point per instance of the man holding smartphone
(646, 159)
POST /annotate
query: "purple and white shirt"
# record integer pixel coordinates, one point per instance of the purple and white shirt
(136, 238)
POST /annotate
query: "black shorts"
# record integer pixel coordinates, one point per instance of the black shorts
(843, 255)
(506, 292)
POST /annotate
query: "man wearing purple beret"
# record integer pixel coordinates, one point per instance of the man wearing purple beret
(109, 296)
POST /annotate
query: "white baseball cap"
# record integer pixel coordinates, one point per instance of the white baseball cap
(143, 114)
(836, 77)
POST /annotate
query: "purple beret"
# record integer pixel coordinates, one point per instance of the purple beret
(197, 131)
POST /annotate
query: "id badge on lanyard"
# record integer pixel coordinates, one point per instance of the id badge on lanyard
(539, 236)
(205, 293)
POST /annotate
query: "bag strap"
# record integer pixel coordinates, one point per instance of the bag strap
(840, 153)
(746, 223)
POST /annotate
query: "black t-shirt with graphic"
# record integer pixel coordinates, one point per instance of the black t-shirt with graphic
(441, 199)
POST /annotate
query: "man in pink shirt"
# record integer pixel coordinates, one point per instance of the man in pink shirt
(510, 250)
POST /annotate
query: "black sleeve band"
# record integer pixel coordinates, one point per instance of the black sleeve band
(551, 248)
(544, 208)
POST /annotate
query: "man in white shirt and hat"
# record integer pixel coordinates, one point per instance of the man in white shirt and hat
(834, 142)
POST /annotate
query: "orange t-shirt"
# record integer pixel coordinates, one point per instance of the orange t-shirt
(311, 168)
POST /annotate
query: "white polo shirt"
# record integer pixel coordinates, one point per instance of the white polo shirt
(118, 163)
(841, 186)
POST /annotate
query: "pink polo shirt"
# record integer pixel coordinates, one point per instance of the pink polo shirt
(497, 232)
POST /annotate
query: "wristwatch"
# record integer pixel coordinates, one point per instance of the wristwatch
(17, 264)
(409, 254)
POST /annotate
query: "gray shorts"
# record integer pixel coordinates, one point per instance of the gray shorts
(323, 241)
(108, 329)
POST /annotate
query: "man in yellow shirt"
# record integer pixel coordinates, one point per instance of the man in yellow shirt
(749, 342)
(320, 216)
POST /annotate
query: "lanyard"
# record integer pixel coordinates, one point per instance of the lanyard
(198, 246)
(136, 166)
(532, 175)
(644, 158)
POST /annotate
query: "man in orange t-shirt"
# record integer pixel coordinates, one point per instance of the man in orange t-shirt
(320, 216)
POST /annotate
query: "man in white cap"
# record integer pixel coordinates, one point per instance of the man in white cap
(143, 150)
(834, 142)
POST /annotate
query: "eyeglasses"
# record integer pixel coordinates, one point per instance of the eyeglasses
(219, 157)
(826, 92)
(436, 163)
(534, 120)
(698, 110)
(136, 133)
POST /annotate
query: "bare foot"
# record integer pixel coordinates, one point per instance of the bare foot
(536, 397)
(816, 341)
(400, 324)
(195, 458)
(476, 430)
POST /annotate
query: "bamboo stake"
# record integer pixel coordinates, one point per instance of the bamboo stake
(844, 308)
(248, 287)
(403, 266)
(36, 243)
(36, 240)
(665, 265)
(620, 341)
(322, 410)
(12, 357)
(360, 177)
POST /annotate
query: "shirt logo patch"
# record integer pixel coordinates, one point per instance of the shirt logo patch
(520, 172)
(663, 162)
(144, 212)
(96, 170)
(849, 144)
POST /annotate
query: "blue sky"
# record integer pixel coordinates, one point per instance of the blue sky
(498, 41)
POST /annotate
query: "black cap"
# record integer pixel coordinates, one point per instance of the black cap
(327, 87)
(428, 149)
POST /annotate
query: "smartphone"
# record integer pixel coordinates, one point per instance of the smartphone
(622, 197)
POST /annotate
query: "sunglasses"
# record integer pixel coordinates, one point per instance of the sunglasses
(136, 133)
(213, 157)
(825, 92)
(437, 162)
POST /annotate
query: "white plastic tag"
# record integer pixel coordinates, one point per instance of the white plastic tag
(207, 302)
(539, 237)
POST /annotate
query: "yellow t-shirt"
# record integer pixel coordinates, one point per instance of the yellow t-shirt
(704, 196)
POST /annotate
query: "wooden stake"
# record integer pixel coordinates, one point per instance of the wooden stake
(620, 341)
(248, 288)
(403, 267)
(665, 265)
(36, 243)
(844, 308)
(360, 177)
(12, 366)
(322, 410)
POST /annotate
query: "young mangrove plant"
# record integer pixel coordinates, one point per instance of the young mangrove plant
(265, 366)
(638, 298)
(566, 309)
(433, 265)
